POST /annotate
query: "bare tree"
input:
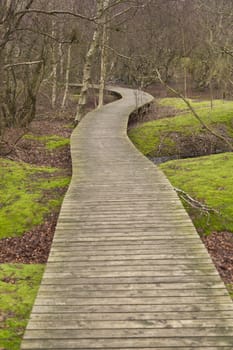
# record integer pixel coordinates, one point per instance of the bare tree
(104, 43)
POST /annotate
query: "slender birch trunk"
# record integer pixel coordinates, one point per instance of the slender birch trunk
(88, 65)
(61, 59)
(54, 69)
(67, 75)
(103, 55)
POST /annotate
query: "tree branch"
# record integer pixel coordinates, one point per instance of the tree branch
(54, 13)
(118, 53)
(44, 34)
(21, 64)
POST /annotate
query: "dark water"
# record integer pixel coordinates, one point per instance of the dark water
(160, 160)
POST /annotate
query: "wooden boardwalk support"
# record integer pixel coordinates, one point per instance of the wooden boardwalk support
(127, 269)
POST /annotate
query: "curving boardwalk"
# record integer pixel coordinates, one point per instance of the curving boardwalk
(127, 269)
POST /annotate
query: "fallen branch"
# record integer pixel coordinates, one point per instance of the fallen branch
(194, 203)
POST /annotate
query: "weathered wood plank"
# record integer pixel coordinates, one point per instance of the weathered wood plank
(217, 307)
(190, 286)
(72, 293)
(205, 324)
(156, 342)
(199, 316)
(130, 333)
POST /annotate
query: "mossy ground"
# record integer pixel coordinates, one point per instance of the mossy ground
(209, 180)
(24, 195)
(19, 284)
(149, 137)
(51, 142)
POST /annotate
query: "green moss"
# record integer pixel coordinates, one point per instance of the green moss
(57, 143)
(149, 136)
(18, 288)
(230, 289)
(51, 142)
(24, 195)
(74, 97)
(179, 104)
(209, 180)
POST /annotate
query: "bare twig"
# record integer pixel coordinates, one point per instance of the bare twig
(44, 34)
(22, 64)
(55, 13)
(118, 53)
(227, 51)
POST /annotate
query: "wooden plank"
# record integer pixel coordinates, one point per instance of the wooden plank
(77, 293)
(65, 300)
(136, 287)
(206, 324)
(217, 307)
(129, 262)
(213, 315)
(124, 274)
(113, 280)
(86, 270)
(136, 343)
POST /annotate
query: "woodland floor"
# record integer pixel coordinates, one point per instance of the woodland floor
(34, 246)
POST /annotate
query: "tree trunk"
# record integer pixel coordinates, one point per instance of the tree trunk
(103, 55)
(54, 70)
(67, 76)
(61, 63)
(211, 94)
(88, 65)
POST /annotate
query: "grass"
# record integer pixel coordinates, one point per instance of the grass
(230, 289)
(149, 136)
(18, 288)
(209, 180)
(179, 104)
(24, 196)
(51, 142)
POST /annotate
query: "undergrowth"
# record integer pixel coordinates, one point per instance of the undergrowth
(51, 142)
(24, 195)
(19, 284)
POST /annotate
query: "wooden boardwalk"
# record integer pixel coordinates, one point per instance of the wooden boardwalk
(127, 269)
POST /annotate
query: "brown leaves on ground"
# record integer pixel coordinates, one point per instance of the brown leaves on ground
(220, 247)
(32, 247)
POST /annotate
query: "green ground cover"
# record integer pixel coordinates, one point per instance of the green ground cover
(51, 142)
(149, 136)
(24, 193)
(209, 180)
(179, 104)
(19, 284)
